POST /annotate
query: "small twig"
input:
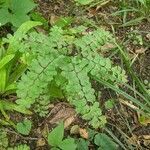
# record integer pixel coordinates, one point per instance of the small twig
(128, 104)
(25, 138)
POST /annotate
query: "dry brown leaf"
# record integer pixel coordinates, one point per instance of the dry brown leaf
(41, 30)
(74, 129)
(92, 12)
(128, 104)
(146, 137)
(140, 51)
(57, 107)
(107, 46)
(133, 140)
(40, 142)
(62, 112)
(69, 121)
(53, 19)
(83, 133)
(147, 143)
(138, 140)
(45, 130)
(146, 140)
(148, 36)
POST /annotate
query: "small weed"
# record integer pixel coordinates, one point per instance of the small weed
(24, 127)
(56, 139)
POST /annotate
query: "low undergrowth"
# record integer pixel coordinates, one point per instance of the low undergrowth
(85, 67)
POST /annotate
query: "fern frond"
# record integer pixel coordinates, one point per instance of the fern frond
(80, 93)
(42, 71)
(89, 46)
(93, 42)
(41, 105)
(69, 62)
(104, 69)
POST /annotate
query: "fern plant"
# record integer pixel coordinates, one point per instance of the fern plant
(71, 63)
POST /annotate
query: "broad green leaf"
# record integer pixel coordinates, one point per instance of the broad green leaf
(24, 127)
(5, 60)
(104, 142)
(20, 33)
(56, 135)
(11, 87)
(5, 3)
(25, 27)
(17, 19)
(18, 13)
(91, 134)
(2, 80)
(17, 73)
(68, 144)
(2, 51)
(22, 6)
(82, 144)
(4, 16)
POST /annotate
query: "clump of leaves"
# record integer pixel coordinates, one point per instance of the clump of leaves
(55, 139)
(11, 68)
(15, 11)
(71, 62)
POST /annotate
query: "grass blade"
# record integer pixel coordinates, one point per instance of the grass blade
(6, 60)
